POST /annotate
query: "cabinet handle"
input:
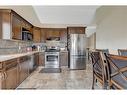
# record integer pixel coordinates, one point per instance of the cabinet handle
(2, 76)
(5, 75)
(19, 67)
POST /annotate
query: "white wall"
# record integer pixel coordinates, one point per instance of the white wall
(111, 30)
(92, 41)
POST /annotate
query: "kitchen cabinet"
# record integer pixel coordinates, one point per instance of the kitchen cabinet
(41, 58)
(16, 27)
(2, 80)
(36, 60)
(43, 35)
(5, 21)
(23, 68)
(51, 32)
(64, 58)
(26, 25)
(37, 35)
(10, 74)
(11, 25)
(76, 30)
(63, 35)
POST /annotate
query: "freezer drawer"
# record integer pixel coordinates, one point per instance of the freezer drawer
(77, 62)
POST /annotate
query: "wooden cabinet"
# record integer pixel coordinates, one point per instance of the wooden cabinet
(37, 35)
(2, 79)
(64, 58)
(5, 21)
(13, 72)
(11, 24)
(41, 59)
(76, 30)
(10, 74)
(51, 32)
(42, 36)
(26, 25)
(23, 68)
(36, 60)
(16, 27)
(63, 35)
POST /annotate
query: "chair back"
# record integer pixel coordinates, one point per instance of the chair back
(122, 52)
(105, 51)
(98, 65)
(117, 67)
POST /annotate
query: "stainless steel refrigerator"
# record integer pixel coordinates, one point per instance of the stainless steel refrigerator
(77, 45)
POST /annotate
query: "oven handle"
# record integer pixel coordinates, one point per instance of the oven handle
(52, 54)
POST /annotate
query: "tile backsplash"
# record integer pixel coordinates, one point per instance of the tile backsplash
(13, 46)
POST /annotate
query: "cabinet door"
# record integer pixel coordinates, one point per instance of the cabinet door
(41, 59)
(23, 68)
(11, 78)
(63, 35)
(2, 80)
(76, 30)
(64, 58)
(36, 59)
(11, 74)
(43, 35)
(16, 28)
(37, 35)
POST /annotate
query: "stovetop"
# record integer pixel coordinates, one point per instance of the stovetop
(52, 50)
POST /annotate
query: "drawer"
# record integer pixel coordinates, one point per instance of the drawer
(23, 59)
(11, 63)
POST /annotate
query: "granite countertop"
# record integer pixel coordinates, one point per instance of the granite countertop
(12, 56)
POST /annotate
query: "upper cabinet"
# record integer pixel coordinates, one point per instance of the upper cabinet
(76, 30)
(51, 32)
(16, 27)
(54, 32)
(5, 24)
(11, 25)
(63, 35)
(27, 26)
(37, 35)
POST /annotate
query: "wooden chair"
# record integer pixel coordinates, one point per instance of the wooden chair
(99, 72)
(117, 71)
(122, 52)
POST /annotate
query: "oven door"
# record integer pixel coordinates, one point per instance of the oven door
(52, 61)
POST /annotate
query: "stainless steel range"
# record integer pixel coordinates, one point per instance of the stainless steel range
(52, 58)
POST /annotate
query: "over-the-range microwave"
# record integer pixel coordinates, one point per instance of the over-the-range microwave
(27, 36)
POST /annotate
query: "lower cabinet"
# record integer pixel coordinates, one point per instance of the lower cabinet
(9, 75)
(63, 58)
(41, 58)
(23, 68)
(13, 72)
(36, 60)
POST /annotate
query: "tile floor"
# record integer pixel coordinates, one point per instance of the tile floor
(67, 79)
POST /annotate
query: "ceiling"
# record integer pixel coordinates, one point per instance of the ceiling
(65, 15)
